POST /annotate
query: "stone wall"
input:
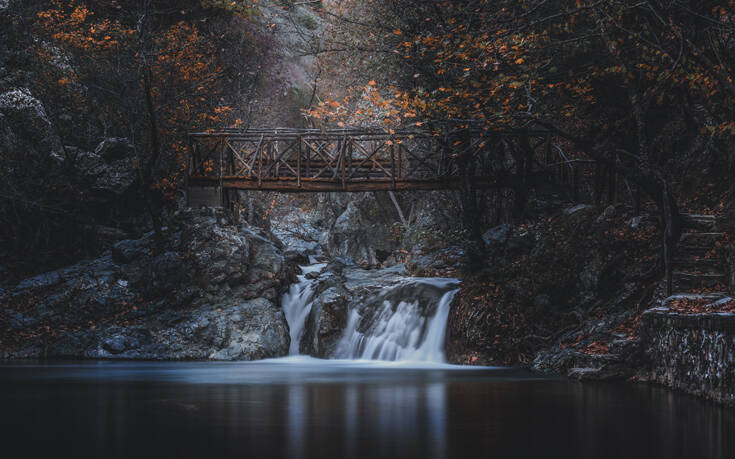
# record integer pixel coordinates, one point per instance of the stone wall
(691, 352)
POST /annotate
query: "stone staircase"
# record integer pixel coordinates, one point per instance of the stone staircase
(697, 271)
(697, 274)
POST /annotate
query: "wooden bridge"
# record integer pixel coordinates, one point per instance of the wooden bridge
(348, 160)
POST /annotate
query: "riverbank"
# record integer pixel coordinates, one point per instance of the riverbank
(222, 290)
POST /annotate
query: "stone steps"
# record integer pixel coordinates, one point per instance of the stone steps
(691, 280)
(710, 299)
(697, 264)
(715, 296)
(699, 221)
(699, 239)
(694, 266)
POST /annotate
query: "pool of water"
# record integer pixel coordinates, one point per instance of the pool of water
(305, 408)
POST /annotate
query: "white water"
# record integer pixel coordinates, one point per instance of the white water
(297, 305)
(399, 333)
(396, 332)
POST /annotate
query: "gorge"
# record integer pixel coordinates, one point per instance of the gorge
(367, 228)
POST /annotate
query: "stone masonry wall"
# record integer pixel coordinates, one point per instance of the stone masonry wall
(691, 352)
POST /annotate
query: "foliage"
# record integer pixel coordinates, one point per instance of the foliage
(148, 71)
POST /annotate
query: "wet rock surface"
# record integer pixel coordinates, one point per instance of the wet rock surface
(212, 293)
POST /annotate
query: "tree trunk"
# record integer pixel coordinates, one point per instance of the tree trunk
(145, 174)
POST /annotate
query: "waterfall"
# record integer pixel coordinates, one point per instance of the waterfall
(406, 319)
(407, 324)
(297, 305)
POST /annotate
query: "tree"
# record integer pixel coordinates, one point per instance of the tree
(151, 72)
(638, 86)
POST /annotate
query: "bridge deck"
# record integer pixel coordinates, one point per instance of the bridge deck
(351, 159)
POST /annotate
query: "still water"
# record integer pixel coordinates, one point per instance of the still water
(300, 407)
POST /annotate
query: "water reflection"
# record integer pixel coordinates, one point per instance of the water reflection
(348, 412)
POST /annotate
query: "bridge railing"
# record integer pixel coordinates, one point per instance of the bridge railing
(342, 159)
(352, 159)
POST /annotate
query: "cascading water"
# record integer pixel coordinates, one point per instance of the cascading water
(406, 320)
(297, 304)
(402, 331)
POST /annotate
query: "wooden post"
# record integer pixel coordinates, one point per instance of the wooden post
(298, 164)
(308, 162)
(221, 172)
(341, 148)
(400, 161)
(260, 165)
(350, 147)
(189, 168)
(393, 165)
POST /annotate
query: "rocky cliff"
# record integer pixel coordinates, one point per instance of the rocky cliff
(213, 292)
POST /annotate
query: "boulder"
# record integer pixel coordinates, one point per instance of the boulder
(26, 117)
(129, 250)
(115, 344)
(325, 323)
(497, 235)
(108, 179)
(114, 148)
(251, 330)
(359, 233)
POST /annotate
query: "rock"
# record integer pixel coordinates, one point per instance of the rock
(4, 4)
(358, 233)
(213, 295)
(637, 221)
(577, 208)
(585, 373)
(27, 118)
(129, 250)
(606, 214)
(68, 345)
(251, 330)
(20, 322)
(115, 344)
(114, 180)
(108, 179)
(296, 257)
(108, 232)
(165, 274)
(497, 235)
(44, 280)
(325, 323)
(114, 148)
(591, 273)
